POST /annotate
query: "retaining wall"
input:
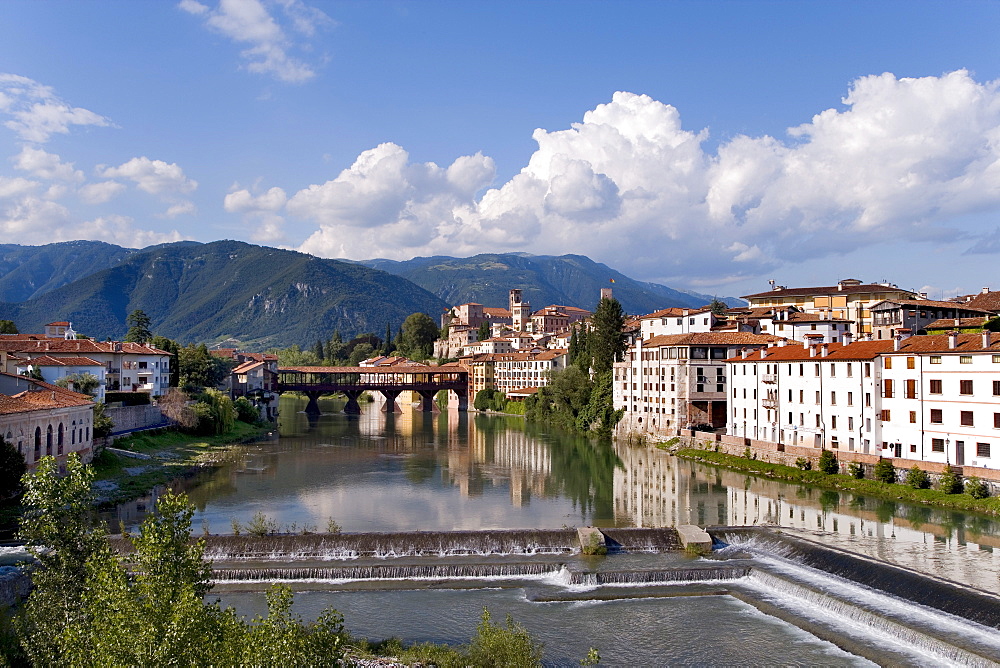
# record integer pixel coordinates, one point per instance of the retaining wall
(130, 418)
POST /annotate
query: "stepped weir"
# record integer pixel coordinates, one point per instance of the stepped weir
(886, 613)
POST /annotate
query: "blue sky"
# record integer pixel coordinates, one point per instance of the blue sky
(395, 129)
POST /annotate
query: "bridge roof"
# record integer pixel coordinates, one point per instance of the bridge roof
(386, 370)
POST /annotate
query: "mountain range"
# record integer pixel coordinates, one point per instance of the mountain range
(271, 297)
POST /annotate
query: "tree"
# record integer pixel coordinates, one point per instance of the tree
(174, 404)
(198, 368)
(103, 425)
(12, 469)
(917, 478)
(138, 327)
(606, 342)
(484, 332)
(884, 471)
(718, 307)
(8, 327)
(502, 646)
(828, 462)
(387, 345)
(949, 483)
(583, 357)
(61, 531)
(85, 383)
(319, 350)
(362, 351)
(419, 334)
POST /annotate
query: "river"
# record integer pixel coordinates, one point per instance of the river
(447, 471)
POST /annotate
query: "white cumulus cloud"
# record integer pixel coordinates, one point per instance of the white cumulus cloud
(44, 165)
(272, 38)
(630, 186)
(155, 177)
(102, 192)
(36, 113)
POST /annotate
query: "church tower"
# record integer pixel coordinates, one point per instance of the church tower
(520, 312)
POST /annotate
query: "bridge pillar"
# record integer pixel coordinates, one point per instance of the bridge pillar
(312, 408)
(427, 404)
(463, 399)
(390, 401)
(352, 407)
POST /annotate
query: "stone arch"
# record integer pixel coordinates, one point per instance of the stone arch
(59, 439)
(48, 440)
(38, 443)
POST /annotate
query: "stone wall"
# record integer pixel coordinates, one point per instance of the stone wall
(129, 418)
(779, 453)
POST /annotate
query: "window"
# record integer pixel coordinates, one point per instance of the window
(833, 398)
(935, 359)
(868, 369)
(996, 359)
(802, 395)
(833, 370)
(818, 400)
(911, 363)
(887, 387)
(996, 388)
(996, 420)
(965, 359)
(868, 399)
(913, 417)
(850, 423)
(966, 419)
(833, 422)
(817, 371)
(937, 445)
(911, 389)
(982, 449)
(937, 416)
(887, 363)
(849, 371)
(965, 387)
(817, 422)
(936, 387)
(884, 415)
(850, 398)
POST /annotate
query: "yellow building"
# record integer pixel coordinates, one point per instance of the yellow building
(849, 299)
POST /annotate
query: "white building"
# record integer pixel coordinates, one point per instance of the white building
(677, 381)
(54, 368)
(677, 321)
(812, 395)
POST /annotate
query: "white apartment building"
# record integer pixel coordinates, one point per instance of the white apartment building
(518, 370)
(677, 321)
(677, 381)
(812, 394)
(941, 399)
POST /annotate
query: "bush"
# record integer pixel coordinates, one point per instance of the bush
(490, 400)
(828, 462)
(976, 488)
(856, 470)
(949, 483)
(261, 525)
(884, 471)
(508, 645)
(747, 453)
(595, 546)
(917, 478)
(246, 411)
(803, 464)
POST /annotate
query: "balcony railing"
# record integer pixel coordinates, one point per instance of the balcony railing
(769, 378)
(769, 403)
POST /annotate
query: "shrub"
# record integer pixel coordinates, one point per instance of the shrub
(332, 526)
(747, 453)
(856, 470)
(949, 483)
(828, 462)
(508, 645)
(884, 471)
(261, 525)
(803, 464)
(595, 546)
(976, 488)
(246, 411)
(917, 478)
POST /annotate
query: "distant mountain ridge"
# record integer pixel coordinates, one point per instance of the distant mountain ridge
(207, 292)
(571, 280)
(31, 271)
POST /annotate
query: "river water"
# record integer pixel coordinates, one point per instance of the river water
(448, 471)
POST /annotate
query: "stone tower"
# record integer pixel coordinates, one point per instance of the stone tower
(520, 312)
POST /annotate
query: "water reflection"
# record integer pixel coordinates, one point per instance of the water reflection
(452, 470)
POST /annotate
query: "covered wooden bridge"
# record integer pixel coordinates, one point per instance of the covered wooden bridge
(426, 381)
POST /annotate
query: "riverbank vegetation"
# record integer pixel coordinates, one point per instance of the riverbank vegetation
(92, 606)
(948, 495)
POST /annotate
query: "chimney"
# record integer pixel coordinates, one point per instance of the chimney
(986, 291)
(921, 295)
(952, 340)
(824, 349)
(897, 341)
(744, 353)
(848, 338)
(782, 343)
(812, 349)
(987, 338)
(957, 322)
(685, 312)
(763, 353)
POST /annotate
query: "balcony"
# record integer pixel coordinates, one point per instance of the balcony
(769, 378)
(769, 403)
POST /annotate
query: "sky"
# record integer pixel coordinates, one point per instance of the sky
(709, 146)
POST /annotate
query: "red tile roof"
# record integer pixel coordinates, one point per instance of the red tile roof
(986, 301)
(46, 396)
(46, 360)
(794, 351)
(829, 290)
(711, 339)
(956, 323)
(75, 346)
(674, 312)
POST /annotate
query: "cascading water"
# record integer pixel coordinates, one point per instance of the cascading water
(384, 572)
(661, 576)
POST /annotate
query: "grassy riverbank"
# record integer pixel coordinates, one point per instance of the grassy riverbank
(873, 488)
(164, 456)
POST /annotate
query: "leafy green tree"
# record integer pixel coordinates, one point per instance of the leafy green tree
(102, 423)
(246, 411)
(170, 346)
(582, 360)
(198, 368)
(419, 333)
(562, 400)
(361, 352)
(976, 488)
(138, 327)
(884, 471)
(12, 470)
(599, 414)
(60, 529)
(387, 345)
(222, 411)
(8, 327)
(718, 307)
(85, 383)
(606, 342)
(828, 462)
